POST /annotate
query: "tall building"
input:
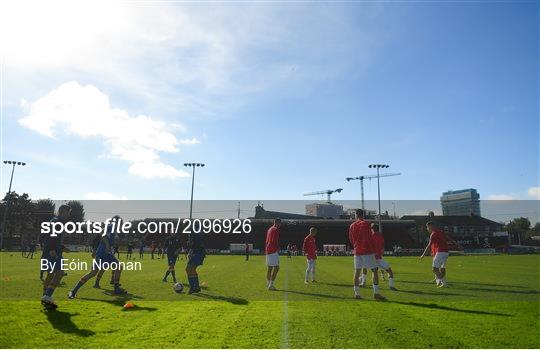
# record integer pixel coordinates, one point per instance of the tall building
(324, 210)
(461, 202)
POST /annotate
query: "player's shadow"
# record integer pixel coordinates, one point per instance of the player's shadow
(232, 300)
(491, 285)
(127, 296)
(418, 282)
(438, 292)
(493, 290)
(319, 295)
(469, 283)
(138, 308)
(448, 308)
(120, 303)
(61, 321)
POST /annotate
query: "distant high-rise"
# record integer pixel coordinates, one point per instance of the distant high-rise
(461, 202)
(324, 210)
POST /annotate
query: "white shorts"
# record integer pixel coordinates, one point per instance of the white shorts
(272, 259)
(439, 260)
(382, 264)
(365, 261)
(311, 263)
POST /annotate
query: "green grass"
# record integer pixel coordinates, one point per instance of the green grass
(492, 301)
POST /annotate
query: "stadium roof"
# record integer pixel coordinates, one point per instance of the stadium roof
(260, 213)
(465, 220)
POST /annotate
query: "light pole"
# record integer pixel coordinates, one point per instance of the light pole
(192, 165)
(379, 166)
(4, 219)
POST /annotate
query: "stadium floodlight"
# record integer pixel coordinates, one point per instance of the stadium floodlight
(379, 166)
(6, 207)
(192, 165)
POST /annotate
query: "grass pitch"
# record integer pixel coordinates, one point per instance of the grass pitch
(492, 301)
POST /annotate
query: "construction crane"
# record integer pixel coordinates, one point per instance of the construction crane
(327, 192)
(363, 177)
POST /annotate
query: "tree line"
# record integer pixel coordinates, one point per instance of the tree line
(23, 216)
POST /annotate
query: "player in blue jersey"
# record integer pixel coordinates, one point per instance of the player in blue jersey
(196, 255)
(129, 250)
(95, 244)
(104, 254)
(52, 256)
(172, 246)
(41, 242)
(31, 249)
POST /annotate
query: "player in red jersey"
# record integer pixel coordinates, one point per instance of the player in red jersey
(310, 251)
(378, 241)
(272, 253)
(439, 251)
(364, 254)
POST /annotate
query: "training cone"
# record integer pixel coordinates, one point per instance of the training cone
(128, 305)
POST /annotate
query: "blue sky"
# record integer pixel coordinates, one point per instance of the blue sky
(277, 99)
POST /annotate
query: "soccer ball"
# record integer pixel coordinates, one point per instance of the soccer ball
(178, 287)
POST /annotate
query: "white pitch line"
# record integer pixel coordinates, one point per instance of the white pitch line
(285, 329)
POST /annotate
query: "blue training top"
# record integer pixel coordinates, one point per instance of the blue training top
(110, 237)
(53, 243)
(172, 245)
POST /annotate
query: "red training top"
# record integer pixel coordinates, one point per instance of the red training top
(272, 240)
(378, 242)
(310, 247)
(438, 242)
(360, 237)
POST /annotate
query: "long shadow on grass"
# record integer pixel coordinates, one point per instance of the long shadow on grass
(448, 308)
(127, 296)
(326, 296)
(406, 291)
(438, 292)
(232, 300)
(336, 284)
(469, 283)
(492, 285)
(465, 286)
(120, 303)
(523, 292)
(61, 321)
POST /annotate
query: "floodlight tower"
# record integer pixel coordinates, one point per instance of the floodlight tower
(379, 166)
(192, 165)
(4, 219)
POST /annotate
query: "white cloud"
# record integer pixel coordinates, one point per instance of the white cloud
(102, 196)
(192, 141)
(534, 192)
(201, 58)
(502, 197)
(86, 112)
